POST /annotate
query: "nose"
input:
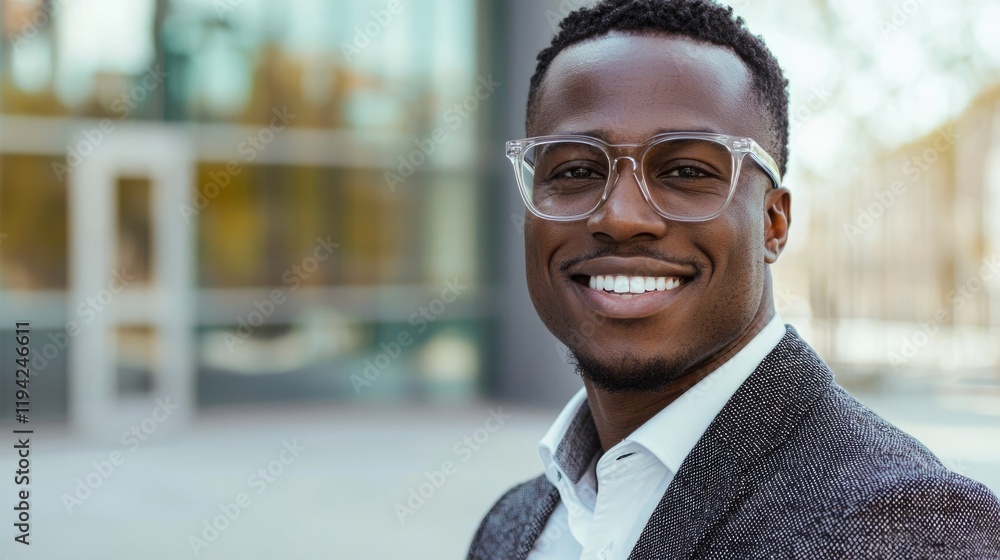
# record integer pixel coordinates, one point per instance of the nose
(626, 215)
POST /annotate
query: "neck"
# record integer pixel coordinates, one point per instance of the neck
(617, 415)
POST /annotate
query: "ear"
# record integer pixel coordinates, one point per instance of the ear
(777, 219)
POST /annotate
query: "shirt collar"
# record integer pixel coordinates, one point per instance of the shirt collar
(674, 431)
(570, 444)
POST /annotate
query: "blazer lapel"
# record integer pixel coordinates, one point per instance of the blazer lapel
(541, 510)
(758, 418)
(578, 447)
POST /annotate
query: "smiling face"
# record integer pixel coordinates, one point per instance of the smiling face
(710, 282)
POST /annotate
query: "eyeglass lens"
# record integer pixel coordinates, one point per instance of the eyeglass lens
(688, 178)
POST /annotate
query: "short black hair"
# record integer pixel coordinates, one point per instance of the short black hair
(701, 20)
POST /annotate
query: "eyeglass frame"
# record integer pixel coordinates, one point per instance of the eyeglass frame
(741, 145)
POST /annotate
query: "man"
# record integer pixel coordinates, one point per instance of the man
(706, 428)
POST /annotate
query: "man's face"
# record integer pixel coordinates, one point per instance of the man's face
(624, 89)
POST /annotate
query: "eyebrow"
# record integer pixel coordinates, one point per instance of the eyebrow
(603, 134)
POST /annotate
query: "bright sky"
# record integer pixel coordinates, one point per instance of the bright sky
(895, 69)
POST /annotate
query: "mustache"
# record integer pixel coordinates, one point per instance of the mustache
(634, 251)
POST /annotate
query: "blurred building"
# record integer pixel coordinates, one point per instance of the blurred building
(239, 201)
(904, 257)
(244, 201)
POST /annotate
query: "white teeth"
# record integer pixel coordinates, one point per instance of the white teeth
(621, 284)
(637, 285)
(633, 284)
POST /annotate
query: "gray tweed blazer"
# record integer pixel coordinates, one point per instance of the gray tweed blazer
(792, 467)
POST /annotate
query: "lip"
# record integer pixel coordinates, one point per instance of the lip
(631, 266)
(624, 307)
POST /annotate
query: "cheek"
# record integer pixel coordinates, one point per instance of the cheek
(539, 242)
(746, 226)
(735, 245)
(532, 251)
(746, 255)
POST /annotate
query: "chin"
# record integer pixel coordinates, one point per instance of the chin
(628, 373)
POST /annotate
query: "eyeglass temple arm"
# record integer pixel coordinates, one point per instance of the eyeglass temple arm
(767, 162)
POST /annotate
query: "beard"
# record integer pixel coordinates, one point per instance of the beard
(630, 373)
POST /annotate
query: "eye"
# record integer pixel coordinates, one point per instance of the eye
(686, 172)
(579, 170)
(578, 173)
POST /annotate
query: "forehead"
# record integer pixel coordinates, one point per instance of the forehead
(626, 88)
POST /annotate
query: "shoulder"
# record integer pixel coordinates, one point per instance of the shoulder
(859, 445)
(511, 517)
(868, 489)
(934, 515)
(845, 444)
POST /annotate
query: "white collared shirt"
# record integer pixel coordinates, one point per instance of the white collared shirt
(634, 474)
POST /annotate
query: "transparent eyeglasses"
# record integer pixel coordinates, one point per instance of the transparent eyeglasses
(685, 176)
